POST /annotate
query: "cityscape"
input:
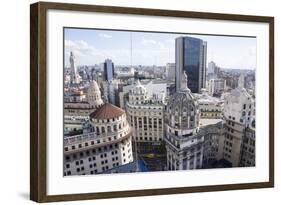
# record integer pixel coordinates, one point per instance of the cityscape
(146, 101)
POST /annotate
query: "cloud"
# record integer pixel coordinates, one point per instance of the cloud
(103, 35)
(154, 44)
(81, 48)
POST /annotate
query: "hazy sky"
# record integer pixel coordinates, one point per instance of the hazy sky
(92, 46)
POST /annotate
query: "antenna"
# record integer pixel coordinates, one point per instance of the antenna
(133, 140)
(131, 49)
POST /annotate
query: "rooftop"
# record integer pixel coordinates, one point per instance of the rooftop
(205, 122)
(107, 111)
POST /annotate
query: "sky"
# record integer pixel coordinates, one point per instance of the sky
(91, 46)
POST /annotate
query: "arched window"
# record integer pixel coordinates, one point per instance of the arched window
(102, 130)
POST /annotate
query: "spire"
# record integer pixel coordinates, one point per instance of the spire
(184, 81)
(241, 81)
(72, 68)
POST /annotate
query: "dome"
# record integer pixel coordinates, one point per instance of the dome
(94, 95)
(107, 111)
(182, 109)
(94, 86)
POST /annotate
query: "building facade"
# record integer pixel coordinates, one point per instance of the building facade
(145, 114)
(210, 107)
(77, 112)
(239, 111)
(183, 144)
(191, 55)
(105, 144)
(248, 146)
(171, 72)
(216, 87)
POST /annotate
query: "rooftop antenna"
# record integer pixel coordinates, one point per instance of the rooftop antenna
(135, 142)
(131, 49)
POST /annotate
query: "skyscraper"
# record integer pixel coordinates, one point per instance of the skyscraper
(108, 67)
(191, 56)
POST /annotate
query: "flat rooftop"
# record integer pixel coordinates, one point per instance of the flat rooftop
(205, 122)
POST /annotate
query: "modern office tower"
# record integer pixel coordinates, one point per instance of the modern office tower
(108, 69)
(171, 72)
(239, 111)
(183, 144)
(191, 54)
(105, 143)
(216, 87)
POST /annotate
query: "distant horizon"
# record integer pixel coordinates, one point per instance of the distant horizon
(92, 46)
(81, 65)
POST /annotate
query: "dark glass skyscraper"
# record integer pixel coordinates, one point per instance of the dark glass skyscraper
(191, 56)
(108, 70)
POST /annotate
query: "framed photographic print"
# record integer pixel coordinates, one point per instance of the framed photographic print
(135, 102)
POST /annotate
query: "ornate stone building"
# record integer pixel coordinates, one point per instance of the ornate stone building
(210, 107)
(145, 114)
(248, 146)
(183, 144)
(75, 113)
(105, 144)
